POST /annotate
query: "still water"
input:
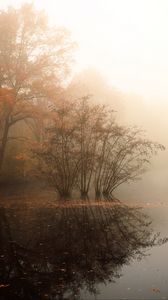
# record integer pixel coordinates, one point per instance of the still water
(95, 251)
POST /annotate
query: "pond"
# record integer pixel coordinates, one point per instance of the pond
(84, 251)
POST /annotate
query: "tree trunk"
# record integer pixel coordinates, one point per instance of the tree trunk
(3, 143)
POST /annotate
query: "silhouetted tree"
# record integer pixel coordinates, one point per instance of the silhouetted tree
(123, 155)
(86, 148)
(58, 154)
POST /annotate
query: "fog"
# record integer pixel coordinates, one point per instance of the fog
(126, 42)
(131, 109)
(83, 149)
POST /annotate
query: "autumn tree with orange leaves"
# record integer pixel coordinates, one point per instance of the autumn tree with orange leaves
(34, 60)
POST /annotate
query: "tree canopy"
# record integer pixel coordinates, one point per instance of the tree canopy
(35, 59)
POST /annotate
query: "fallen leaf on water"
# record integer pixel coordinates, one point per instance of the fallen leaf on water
(155, 290)
(3, 285)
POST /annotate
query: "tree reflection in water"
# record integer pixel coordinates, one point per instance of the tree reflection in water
(55, 253)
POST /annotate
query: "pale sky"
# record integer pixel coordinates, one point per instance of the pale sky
(126, 40)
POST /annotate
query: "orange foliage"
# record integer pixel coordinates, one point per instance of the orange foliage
(7, 97)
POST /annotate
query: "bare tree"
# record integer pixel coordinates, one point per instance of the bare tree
(123, 156)
(59, 155)
(89, 118)
(85, 148)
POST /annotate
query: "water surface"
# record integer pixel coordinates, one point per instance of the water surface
(77, 251)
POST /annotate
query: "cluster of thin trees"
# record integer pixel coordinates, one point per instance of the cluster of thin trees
(77, 145)
(85, 150)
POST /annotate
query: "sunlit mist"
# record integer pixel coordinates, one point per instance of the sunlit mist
(83, 149)
(125, 39)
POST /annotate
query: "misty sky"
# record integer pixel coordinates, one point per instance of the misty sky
(127, 40)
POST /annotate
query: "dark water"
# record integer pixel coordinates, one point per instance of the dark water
(84, 252)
